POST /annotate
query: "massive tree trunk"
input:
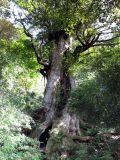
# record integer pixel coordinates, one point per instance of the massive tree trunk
(53, 79)
(59, 85)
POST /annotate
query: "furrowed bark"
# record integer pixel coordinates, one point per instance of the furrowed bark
(57, 113)
(53, 80)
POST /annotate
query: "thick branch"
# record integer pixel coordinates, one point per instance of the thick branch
(93, 43)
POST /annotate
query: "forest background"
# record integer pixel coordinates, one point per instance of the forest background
(87, 79)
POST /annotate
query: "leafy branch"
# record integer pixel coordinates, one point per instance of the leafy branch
(38, 54)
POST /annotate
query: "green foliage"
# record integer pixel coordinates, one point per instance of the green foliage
(18, 69)
(18, 56)
(98, 149)
(78, 153)
(97, 95)
(85, 99)
(17, 99)
(14, 144)
(108, 65)
(66, 15)
(98, 88)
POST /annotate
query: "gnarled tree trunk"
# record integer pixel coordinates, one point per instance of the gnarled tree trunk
(53, 79)
(64, 123)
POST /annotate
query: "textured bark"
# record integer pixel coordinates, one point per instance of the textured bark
(53, 79)
(57, 113)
